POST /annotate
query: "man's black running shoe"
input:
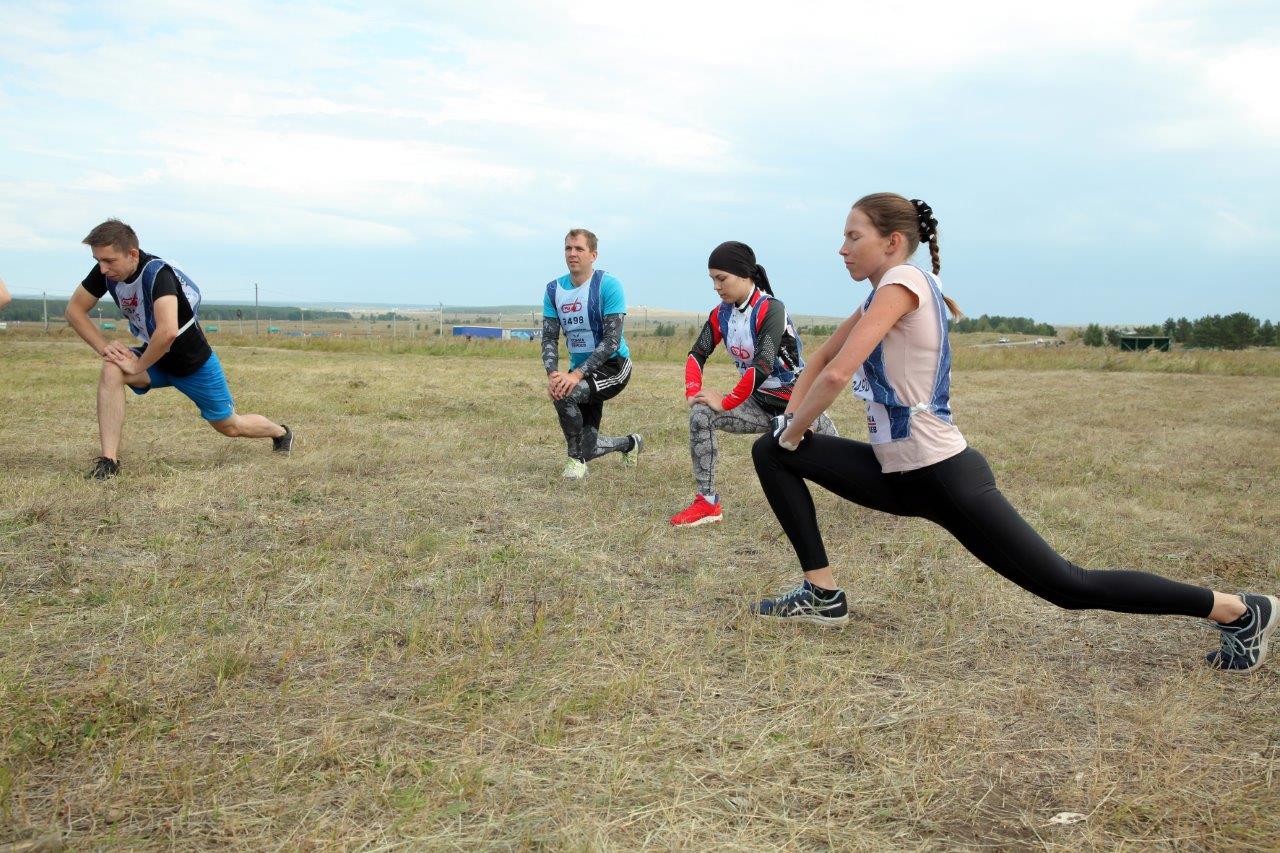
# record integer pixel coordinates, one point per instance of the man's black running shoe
(104, 468)
(284, 443)
(1244, 641)
(806, 603)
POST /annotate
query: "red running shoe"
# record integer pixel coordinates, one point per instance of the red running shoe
(701, 511)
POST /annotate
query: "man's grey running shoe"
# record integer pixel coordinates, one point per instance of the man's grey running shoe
(104, 468)
(284, 443)
(1244, 641)
(631, 458)
(806, 603)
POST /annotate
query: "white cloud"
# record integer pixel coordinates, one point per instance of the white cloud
(377, 125)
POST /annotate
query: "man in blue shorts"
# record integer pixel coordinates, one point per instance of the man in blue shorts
(156, 298)
(588, 305)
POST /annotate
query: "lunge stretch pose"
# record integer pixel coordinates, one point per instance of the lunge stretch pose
(758, 334)
(157, 299)
(590, 306)
(894, 350)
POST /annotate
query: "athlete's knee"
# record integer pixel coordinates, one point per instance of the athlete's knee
(700, 414)
(111, 374)
(1071, 588)
(764, 450)
(230, 427)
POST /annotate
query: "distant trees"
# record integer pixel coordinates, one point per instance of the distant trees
(1233, 331)
(1003, 325)
(665, 330)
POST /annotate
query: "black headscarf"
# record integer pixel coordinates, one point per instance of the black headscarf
(738, 259)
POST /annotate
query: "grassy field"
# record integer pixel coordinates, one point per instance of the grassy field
(413, 633)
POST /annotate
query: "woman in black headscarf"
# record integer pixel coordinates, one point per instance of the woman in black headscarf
(759, 336)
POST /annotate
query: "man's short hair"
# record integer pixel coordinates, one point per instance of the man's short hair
(114, 233)
(592, 242)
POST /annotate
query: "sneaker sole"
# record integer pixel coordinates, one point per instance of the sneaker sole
(820, 621)
(710, 519)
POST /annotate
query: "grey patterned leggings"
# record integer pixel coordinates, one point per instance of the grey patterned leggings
(580, 412)
(750, 417)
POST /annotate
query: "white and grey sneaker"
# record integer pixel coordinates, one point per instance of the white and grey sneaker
(631, 458)
(1244, 641)
(574, 469)
(807, 603)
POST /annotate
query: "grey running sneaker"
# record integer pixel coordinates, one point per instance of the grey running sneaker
(806, 603)
(104, 468)
(284, 443)
(631, 458)
(1244, 641)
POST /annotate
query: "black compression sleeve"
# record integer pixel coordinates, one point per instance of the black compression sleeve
(551, 344)
(609, 343)
(704, 345)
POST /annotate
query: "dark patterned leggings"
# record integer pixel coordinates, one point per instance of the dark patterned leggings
(750, 417)
(582, 408)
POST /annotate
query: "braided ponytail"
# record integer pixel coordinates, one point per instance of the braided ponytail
(956, 313)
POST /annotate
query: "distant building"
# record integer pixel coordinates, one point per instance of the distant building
(497, 333)
(470, 332)
(1133, 342)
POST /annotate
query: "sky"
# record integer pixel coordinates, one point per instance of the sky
(1109, 162)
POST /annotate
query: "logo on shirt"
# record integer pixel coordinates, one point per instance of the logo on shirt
(740, 353)
(129, 303)
(572, 307)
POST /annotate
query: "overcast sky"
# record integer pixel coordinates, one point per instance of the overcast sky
(1112, 161)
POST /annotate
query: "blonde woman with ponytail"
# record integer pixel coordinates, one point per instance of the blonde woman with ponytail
(894, 353)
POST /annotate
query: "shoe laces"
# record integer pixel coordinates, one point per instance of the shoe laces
(1232, 645)
(792, 595)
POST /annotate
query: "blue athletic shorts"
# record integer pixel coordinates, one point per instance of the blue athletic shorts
(207, 388)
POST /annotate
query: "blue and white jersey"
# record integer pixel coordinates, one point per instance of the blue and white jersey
(136, 298)
(907, 375)
(581, 310)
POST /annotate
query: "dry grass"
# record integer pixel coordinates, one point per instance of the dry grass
(413, 633)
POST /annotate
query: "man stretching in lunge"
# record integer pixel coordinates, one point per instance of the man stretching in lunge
(156, 298)
(589, 305)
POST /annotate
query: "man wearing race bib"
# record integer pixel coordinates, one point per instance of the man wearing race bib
(894, 351)
(160, 303)
(589, 306)
(765, 347)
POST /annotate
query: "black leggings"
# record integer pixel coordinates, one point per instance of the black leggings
(960, 495)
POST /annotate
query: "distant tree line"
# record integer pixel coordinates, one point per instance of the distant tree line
(1003, 325)
(1233, 331)
(33, 310)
